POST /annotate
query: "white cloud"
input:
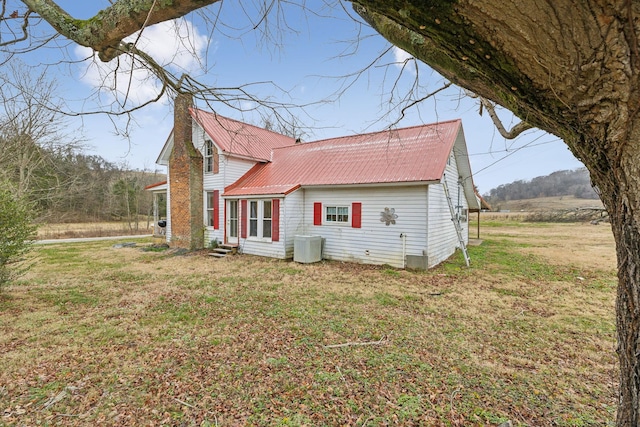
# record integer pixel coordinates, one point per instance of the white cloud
(176, 45)
(401, 57)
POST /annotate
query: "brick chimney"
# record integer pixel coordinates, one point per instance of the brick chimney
(185, 181)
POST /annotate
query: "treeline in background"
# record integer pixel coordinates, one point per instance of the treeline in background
(44, 160)
(63, 185)
(575, 183)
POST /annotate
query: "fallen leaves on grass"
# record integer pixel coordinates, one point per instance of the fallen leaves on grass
(134, 339)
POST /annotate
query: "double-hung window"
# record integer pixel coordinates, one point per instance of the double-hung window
(336, 214)
(210, 157)
(260, 218)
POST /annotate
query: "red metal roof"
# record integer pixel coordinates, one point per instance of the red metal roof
(239, 138)
(414, 154)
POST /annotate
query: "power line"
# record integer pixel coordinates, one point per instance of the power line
(511, 150)
(527, 145)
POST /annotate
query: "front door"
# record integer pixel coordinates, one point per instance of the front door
(232, 222)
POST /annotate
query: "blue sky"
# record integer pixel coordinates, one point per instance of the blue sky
(307, 60)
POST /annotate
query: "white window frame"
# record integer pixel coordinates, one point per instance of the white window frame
(208, 156)
(210, 211)
(260, 226)
(338, 216)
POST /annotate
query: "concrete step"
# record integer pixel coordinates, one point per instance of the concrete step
(217, 255)
(221, 250)
(231, 248)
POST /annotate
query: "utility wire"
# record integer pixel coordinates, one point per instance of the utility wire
(527, 145)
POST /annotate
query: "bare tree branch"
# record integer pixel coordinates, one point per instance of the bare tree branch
(511, 134)
(515, 131)
(23, 27)
(106, 31)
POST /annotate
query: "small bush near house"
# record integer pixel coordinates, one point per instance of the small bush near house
(16, 231)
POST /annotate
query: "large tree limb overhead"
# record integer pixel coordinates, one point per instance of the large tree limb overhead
(105, 31)
(528, 56)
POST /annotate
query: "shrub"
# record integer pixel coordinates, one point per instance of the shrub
(16, 233)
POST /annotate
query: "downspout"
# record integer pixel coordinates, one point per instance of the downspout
(403, 236)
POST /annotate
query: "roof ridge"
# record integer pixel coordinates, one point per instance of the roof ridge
(337, 138)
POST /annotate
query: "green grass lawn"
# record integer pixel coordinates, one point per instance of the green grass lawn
(98, 335)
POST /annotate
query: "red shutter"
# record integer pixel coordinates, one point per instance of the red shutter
(356, 215)
(275, 220)
(317, 213)
(216, 209)
(243, 219)
(216, 160)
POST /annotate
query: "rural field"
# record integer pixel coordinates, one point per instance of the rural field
(98, 335)
(92, 229)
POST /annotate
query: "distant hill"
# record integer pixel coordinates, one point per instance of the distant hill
(575, 183)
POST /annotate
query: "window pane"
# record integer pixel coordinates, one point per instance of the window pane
(331, 213)
(233, 218)
(233, 209)
(343, 214)
(267, 210)
(253, 208)
(253, 227)
(266, 228)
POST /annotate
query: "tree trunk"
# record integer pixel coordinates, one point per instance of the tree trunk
(567, 67)
(620, 192)
(628, 317)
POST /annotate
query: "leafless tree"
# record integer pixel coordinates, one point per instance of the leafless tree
(30, 132)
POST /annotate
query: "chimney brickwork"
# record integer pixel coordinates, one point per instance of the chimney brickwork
(185, 181)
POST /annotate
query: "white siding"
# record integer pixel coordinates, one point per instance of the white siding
(292, 220)
(374, 242)
(443, 239)
(230, 170)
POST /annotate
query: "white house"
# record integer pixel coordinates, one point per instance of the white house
(375, 198)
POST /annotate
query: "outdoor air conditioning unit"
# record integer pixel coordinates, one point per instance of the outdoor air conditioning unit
(307, 249)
